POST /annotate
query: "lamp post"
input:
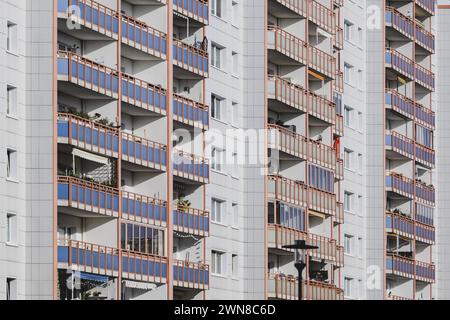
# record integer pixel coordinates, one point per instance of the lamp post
(300, 248)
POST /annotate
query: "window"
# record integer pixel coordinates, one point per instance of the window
(11, 289)
(235, 12)
(348, 26)
(360, 37)
(216, 107)
(348, 286)
(348, 244)
(11, 166)
(360, 121)
(348, 112)
(360, 163)
(234, 265)
(360, 79)
(235, 213)
(142, 239)
(217, 157)
(360, 247)
(348, 70)
(234, 59)
(216, 8)
(11, 101)
(11, 228)
(216, 56)
(348, 159)
(348, 201)
(235, 111)
(360, 205)
(11, 41)
(217, 262)
(216, 210)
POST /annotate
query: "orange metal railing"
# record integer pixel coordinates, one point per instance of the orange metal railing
(298, 6)
(322, 16)
(190, 112)
(283, 189)
(191, 275)
(287, 92)
(189, 166)
(190, 58)
(143, 152)
(143, 209)
(191, 221)
(339, 169)
(339, 216)
(322, 155)
(338, 82)
(288, 44)
(321, 201)
(143, 267)
(322, 61)
(287, 141)
(338, 38)
(322, 108)
(195, 9)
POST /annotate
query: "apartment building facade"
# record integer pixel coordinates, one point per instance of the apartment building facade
(156, 149)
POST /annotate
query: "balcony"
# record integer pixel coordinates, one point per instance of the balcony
(339, 217)
(285, 287)
(88, 196)
(338, 82)
(399, 146)
(87, 74)
(287, 46)
(425, 116)
(322, 108)
(322, 62)
(191, 221)
(425, 194)
(190, 275)
(143, 209)
(400, 225)
(426, 156)
(424, 214)
(424, 38)
(400, 185)
(190, 167)
(279, 236)
(190, 112)
(338, 38)
(194, 9)
(322, 155)
(286, 190)
(339, 174)
(297, 6)
(88, 135)
(425, 77)
(322, 16)
(338, 128)
(144, 38)
(425, 233)
(188, 58)
(87, 257)
(400, 266)
(427, 5)
(91, 15)
(143, 267)
(399, 63)
(425, 272)
(143, 95)
(322, 201)
(142, 152)
(399, 22)
(287, 141)
(287, 93)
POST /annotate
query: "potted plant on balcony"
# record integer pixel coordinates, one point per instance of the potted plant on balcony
(183, 204)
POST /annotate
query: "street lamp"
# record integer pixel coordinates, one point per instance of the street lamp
(300, 248)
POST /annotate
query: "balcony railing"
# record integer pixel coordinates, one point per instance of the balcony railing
(425, 194)
(400, 184)
(427, 5)
(290, 191)
(339, 217)
(88, 196)
(195, 9)
(338, 3)
(88, 135)
(425, 38)
(143, 209)
(139, 35)
(287, 44)
(286, 287)
(191, 221)
(400, 22)
(425, 272)
(425, 233)
(321, 201)
(91, 15)
(143, 94)
(400, 266)
(191, 167)
(400, 63)
(190, 58)
(400, 225)
(288, 93)
(190, 275)
(322, 62)
(338, 38)
(190, 112)
(298, 6)
(143, 152)
(425, 77)
(338, 82)
(280, 236)
(87, 257)
(400, 144)
(142, 267)
(425, 116)
(322, 108)
(339, 175)
(287, 141)
(87, 74)
(322, 16)
(425, 155)
(424, 214)
(322, 155)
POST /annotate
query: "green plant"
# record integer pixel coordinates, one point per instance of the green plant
(183, 204)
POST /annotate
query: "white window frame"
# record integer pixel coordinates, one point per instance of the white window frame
(11, 228)
(217, 107)
(217, 54)
(218, 263)
(11, 37)
(349, 243)
(217, 8)
(217, 210)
